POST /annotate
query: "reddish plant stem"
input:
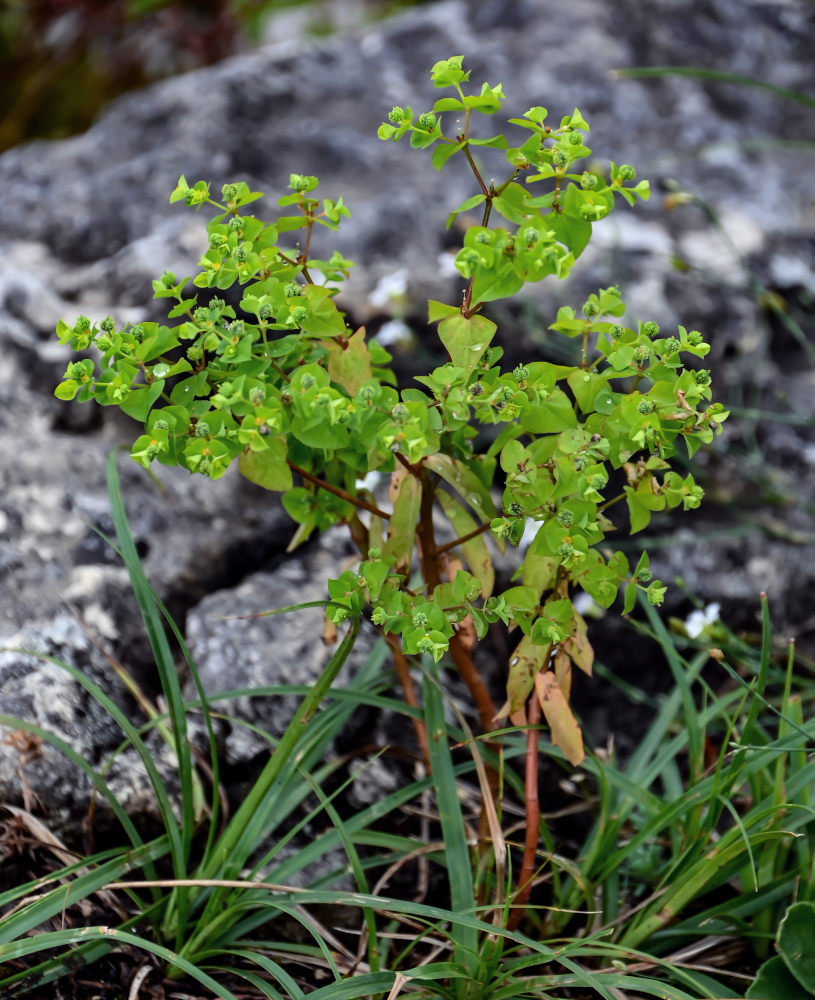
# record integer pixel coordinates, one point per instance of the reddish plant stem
(360, 535)
(475, 684)
(336, 491)
(468, 298)
(304, 254)
(478, 177)
(486, 714)
(430, 573)
(464, 538)
(532, 816)
(427, 539)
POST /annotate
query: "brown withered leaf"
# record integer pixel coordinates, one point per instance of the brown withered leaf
(466, 632)
(329, 632)
(565, 730)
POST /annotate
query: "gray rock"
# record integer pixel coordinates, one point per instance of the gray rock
(37, 689)
(234, 649)
(85, 226)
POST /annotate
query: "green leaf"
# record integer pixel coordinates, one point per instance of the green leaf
(185, 390)
(139, 400)
(641, 501)
(466, 339)
(643, 189)
(465, 206)
(448, 72)
(159, 340)
(488, 101)
(500, 282)
(494, 142)
(622, 357)
(775, 982)
(438, 310)
(796, 943)
(578, 121)
(605, 401)
(511, 203)
(267, 468)
(550, 415)
(475, 550)
(640, 514)
(181, 189)
(455, 833)
(288, 222)
(630, 598)
(604, 592)
(324, 318)
(182, 307)
(572, 233)
(299, 504)
(67, 389)
(465, 482)
(422, 138)
(586, 386)
(442, 153)
(448, 104)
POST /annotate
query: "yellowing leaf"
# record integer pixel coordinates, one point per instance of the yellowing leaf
(578, 646)
(464, 482)
(563, 673)
(475, 550)
(527, 659)
(565, 730)
(267, 468)
(349, 366)
(405, 493)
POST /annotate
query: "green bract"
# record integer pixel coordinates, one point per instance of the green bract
(286, 388)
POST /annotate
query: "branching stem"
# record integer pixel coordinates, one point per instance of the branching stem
(426, 536)
(336, 490)
(464, 538)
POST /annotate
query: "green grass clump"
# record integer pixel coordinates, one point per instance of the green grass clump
(695, 846)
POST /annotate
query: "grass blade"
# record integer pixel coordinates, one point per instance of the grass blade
(644, 72)
(457, 850)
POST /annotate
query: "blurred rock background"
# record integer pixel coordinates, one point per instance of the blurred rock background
(231, 90)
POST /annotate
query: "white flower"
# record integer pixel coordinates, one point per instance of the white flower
(585, 605)
(390, 286)
(369, 482)
(394, 332)
(447, 265)
(530, 530)
(697, 621)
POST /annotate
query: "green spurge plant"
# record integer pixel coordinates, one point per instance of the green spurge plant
(308, 407)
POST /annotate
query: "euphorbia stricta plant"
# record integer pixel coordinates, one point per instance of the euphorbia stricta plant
(308, 406)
